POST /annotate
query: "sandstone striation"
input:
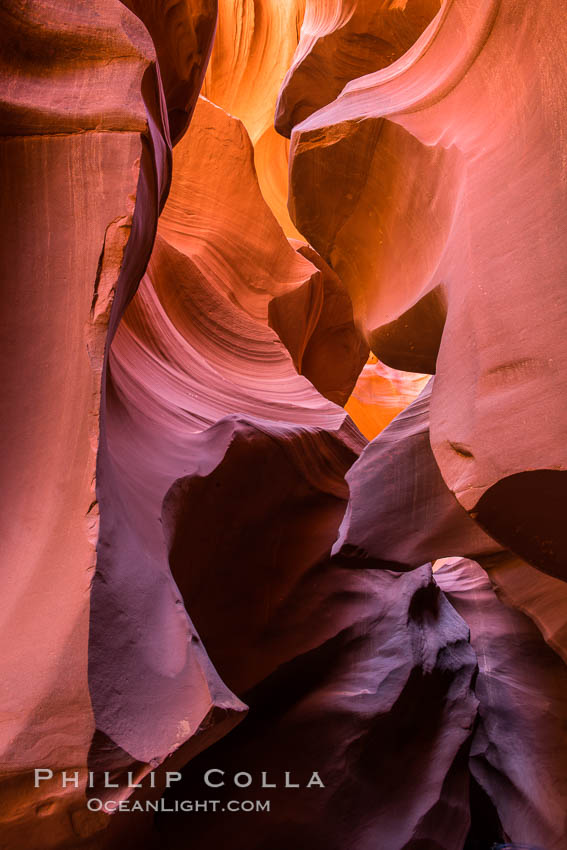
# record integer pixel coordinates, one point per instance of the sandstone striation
(253, 48)
(182, 34)
(193, 347)
(342, 40)
(214, 192)
(414, 155)
(74, 127)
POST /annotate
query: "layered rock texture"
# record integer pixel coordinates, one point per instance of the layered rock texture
(414, 155)
(283, 430)
(254, 46)
(75, 127)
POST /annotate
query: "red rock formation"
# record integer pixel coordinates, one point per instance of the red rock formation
(213, 201)
(182, 34)
(86, 151)
(192, 703)
(315, 323)
(429, 159)
(519, 751)
(341, 40)
(74, 128)
(541, 597)
(252, 548)
(375, 696)
(193, 347)
(352, 221)
(215, 191)
(400, 511)
(253, 48)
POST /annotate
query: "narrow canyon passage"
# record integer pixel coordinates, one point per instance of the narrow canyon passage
(284, 357)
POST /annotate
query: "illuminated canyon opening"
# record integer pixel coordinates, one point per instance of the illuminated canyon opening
(284, 426)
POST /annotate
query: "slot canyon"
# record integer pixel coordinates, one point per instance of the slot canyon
(284, 425)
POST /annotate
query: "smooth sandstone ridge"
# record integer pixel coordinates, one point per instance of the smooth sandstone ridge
(421, 185)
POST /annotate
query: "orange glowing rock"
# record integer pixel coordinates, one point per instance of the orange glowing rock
(380, 394)
(253, 48)
(271, 159)
(214, 193)
(193, 523)
(214, 198)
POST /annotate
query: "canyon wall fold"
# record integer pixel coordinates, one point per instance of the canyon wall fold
(193, 347)
(71, 99)
(518, 750)
(441, 154)
(378, 659)
(400, 511)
